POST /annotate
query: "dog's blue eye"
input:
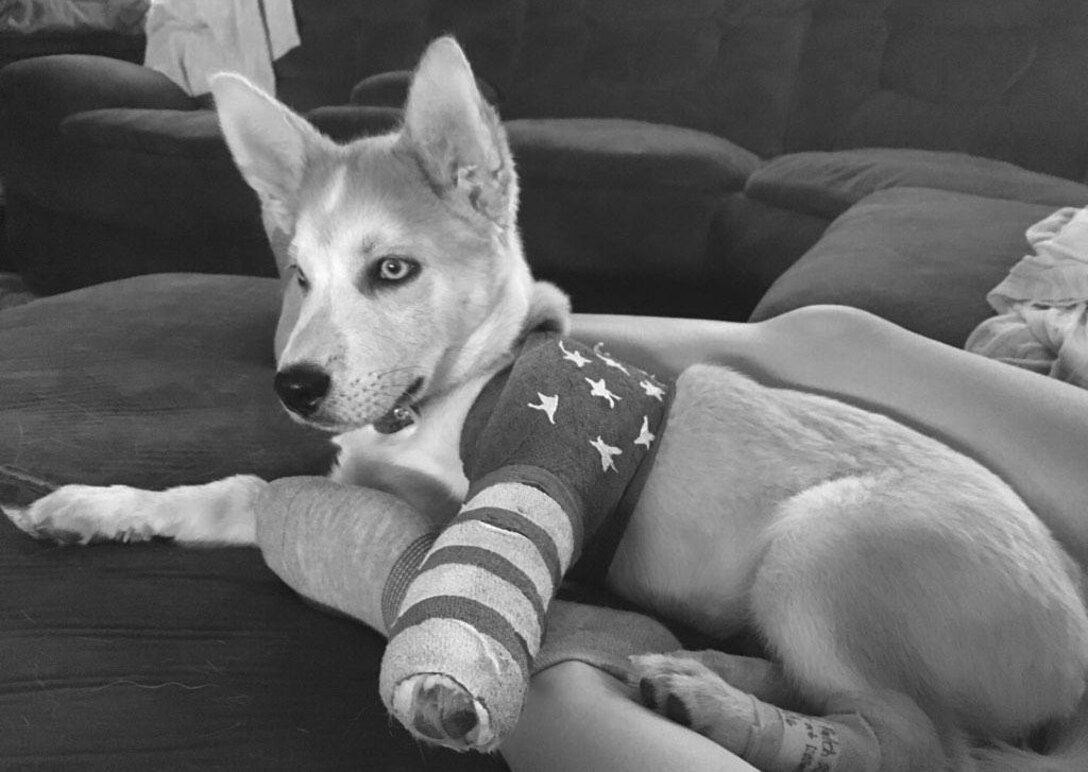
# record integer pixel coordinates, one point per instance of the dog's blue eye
(393, 270)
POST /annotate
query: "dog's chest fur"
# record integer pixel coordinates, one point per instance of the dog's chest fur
(422, 463)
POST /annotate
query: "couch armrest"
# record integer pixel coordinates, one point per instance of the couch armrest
(163, 170)
(622, 201)
(183, 133)
(54, 87)
(826, 184)
(119, 144)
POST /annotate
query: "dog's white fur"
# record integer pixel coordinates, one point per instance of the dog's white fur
(874, 561)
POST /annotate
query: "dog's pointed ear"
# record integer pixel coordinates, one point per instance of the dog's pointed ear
(270, 144)
(458, 137)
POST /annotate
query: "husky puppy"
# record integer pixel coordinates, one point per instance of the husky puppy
(910, 596)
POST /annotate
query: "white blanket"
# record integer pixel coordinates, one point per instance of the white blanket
(191, 40)
(1042, 305)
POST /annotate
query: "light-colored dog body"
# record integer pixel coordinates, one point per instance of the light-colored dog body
(874, 561)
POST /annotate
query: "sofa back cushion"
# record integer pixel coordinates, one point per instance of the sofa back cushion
(722, 66)
(345, 41)
(1005, 79)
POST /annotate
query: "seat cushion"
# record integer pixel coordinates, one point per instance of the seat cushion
(921, 258)
(152, 656)
(187, 397)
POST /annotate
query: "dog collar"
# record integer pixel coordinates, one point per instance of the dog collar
(397, 419)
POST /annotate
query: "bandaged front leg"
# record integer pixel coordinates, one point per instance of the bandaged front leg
(337, 545)
(468, 619)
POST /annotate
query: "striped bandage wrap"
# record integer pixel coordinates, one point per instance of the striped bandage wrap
(490, 575)
(550, 447)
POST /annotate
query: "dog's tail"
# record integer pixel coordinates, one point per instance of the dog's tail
(1063, 749)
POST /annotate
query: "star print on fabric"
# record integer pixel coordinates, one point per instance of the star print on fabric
(604, 357)
(575, 356)
(600, 389)
(645, 436)
(547, 404)
(652, 390)
(607, 452)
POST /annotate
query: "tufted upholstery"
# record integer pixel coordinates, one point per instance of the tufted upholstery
(347, 40)
(721, 66)
(987, 77)
(1006, 79)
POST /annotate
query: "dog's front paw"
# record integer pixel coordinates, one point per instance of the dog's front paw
(82, 514)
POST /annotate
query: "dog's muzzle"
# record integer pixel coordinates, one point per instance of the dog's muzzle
(302, 388)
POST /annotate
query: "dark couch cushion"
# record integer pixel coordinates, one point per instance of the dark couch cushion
(110, 170)
(635, 199)
(344, 41)
(58, 252)
(151, 656)
(1004, 79)
(827, 184)
(53, 87)
(924, 259)
(390, 89)
(191, 134)
(101, 165)
(91, 136)
(345, 123)
(187, 398)
(629, 154)
(752, 243)
(721, 66)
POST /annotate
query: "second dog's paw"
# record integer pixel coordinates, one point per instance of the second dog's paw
(82, 514)
(691, 694)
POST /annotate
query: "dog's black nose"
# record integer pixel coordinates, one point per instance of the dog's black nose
(301, 388)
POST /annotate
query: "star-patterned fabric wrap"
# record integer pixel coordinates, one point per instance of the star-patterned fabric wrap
(569, 419)
(550, 447)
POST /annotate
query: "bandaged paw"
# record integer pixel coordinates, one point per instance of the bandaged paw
(438, 709)
(466, 615)
(450, 683)
(770, 738)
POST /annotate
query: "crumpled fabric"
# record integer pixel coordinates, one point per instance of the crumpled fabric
(191, 40)
(1042, 305)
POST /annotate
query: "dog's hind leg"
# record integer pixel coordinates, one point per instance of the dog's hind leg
(924, 612)
(882, 732)
(222, 512)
